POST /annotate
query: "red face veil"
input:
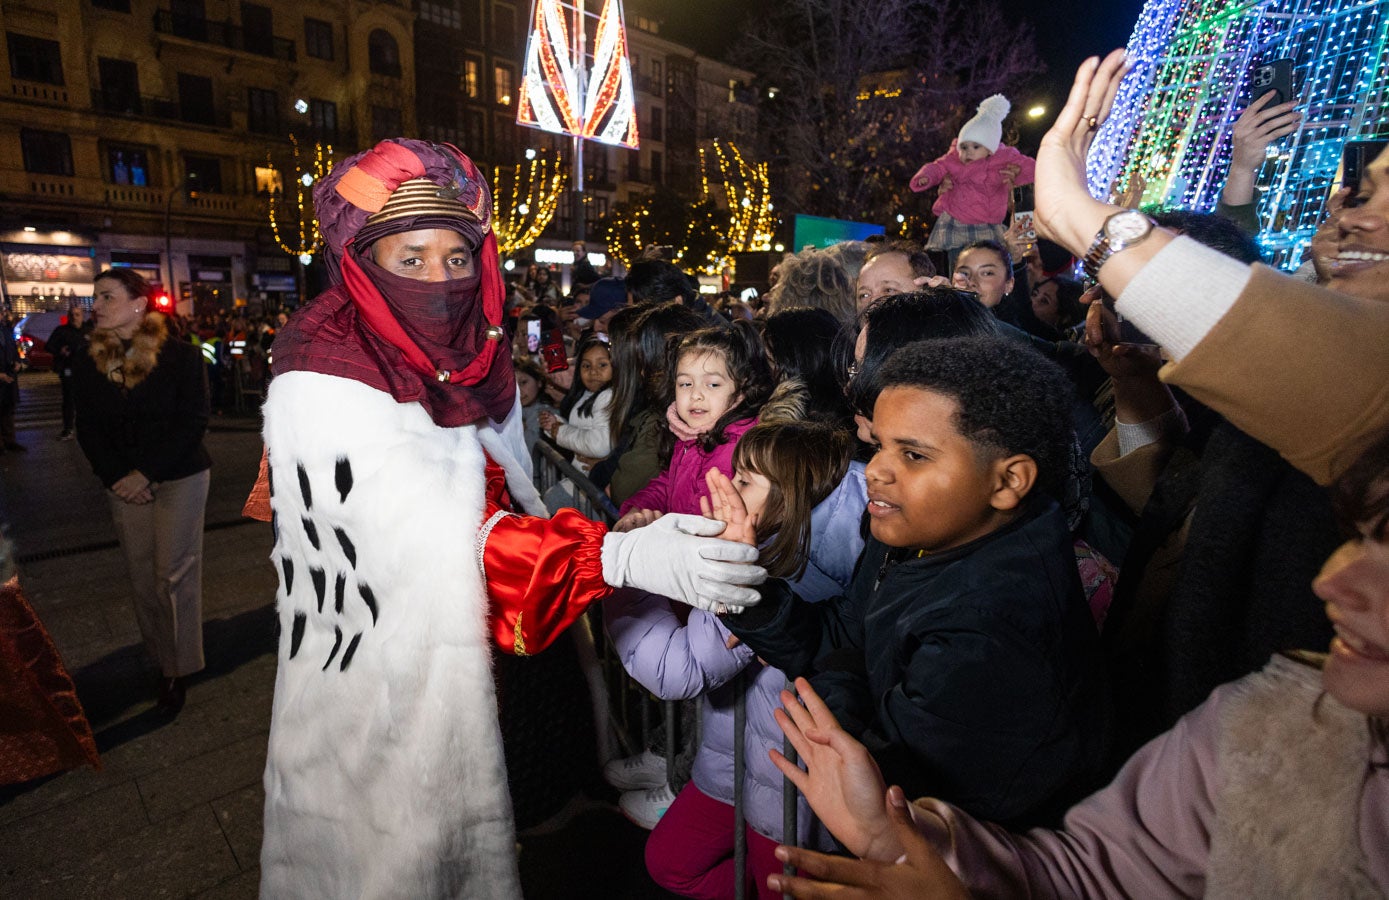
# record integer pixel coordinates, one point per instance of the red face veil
(440, 344)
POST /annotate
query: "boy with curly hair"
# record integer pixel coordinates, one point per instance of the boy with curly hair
(963, 655)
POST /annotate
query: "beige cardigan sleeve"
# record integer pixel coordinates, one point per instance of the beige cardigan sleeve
(1301, 368)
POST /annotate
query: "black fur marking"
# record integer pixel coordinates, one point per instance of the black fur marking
(338, 591)
(320, 585)
(342, 478)
(270, 479)
(275, 528)
(288, 568)
(351, 649)
(337, 643)
(348, 548)
(296, 633)
(312, 531)
(304, 487)
(369, 599)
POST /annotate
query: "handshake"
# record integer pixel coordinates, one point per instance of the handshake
(680, 557)
(684, 558)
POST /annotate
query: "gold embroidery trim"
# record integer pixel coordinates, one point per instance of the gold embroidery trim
(518, 640)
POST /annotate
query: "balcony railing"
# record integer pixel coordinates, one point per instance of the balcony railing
(128, 104)
(223, 34)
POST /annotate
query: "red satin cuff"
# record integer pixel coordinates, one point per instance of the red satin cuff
(541, 573)
(541, 576)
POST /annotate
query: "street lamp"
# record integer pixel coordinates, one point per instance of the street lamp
(1037, 111)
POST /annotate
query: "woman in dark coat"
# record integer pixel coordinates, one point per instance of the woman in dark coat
(142, 410)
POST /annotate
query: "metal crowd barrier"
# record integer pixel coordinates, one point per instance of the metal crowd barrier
(627, 711)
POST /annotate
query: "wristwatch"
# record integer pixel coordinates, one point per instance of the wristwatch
(1119, 232)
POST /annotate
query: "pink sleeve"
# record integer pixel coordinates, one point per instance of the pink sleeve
(1012, 156)
(1146, 835)
(656, 495)
(930, 175)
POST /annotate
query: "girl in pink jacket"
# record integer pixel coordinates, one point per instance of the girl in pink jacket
(717, 380)
(982, 175)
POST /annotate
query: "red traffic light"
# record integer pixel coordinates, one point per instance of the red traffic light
(163, 302)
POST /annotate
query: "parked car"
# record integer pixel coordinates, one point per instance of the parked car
(32, 334)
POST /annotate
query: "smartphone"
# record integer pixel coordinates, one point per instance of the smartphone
(552, 351)
(1025, 227)
(1276, 76)
(533, 335)
(1355, 156)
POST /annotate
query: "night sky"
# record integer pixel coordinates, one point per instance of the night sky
(1067, 30)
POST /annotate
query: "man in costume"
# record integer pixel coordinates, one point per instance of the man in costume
(395, 454)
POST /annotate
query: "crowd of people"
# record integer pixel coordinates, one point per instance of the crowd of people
(1062, 559)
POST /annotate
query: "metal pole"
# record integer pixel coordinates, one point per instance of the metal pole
(581, 72)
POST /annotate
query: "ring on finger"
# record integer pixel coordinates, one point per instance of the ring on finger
(1092, 122)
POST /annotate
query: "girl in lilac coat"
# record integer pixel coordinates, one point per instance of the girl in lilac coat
(717, 380)
(810, 500)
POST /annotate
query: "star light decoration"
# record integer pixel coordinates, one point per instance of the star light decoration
(525, 198)
(1191, 80)
(295, 229)
(565, 95)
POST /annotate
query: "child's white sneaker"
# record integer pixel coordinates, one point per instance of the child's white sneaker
(645, 770)
(645, 808)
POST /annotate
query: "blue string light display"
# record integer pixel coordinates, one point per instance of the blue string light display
(1192, 61)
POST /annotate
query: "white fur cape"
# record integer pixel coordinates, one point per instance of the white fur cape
(384, 775)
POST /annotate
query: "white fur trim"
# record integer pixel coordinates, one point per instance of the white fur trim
(385, 779)
(507, 454)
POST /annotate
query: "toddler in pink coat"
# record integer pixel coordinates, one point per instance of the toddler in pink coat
(982, 175)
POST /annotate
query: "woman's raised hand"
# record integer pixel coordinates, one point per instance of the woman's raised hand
(1066, 213)
(841, 782)
(919, 874)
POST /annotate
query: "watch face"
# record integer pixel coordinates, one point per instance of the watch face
(1126, 226)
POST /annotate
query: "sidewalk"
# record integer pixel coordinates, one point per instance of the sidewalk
(176, 809)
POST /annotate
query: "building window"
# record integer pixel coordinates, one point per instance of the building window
(268, 180)
(127, 165)
(472, 78)
(474, 133)
(195, 99)
(385, 123)
(318, 38)
(258, 28)
(113, 5)
(504, 28)
(656, 73)
(504, 138)
(46, 152)
(656, 128)
(634, 165)
(262, 111)
(442, 12)
(204, 173)
(120, 85)
(658, 167)
(323, 119)
(35, 59)
(501, 81)
(383, 55)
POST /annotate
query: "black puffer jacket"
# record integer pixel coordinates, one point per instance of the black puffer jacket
(972, 675)
(156, 427)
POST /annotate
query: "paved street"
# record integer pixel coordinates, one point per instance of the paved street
(176, 809)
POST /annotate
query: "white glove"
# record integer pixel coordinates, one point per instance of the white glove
(673, 557)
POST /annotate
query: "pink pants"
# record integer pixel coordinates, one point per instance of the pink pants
(691, 850)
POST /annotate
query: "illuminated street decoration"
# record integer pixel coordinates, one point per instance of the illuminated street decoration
(564, 90)
(295, 230)
(1170, 131)
(525, 198)
(747, 193)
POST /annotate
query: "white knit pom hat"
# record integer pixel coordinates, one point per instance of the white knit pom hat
(986, 128)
